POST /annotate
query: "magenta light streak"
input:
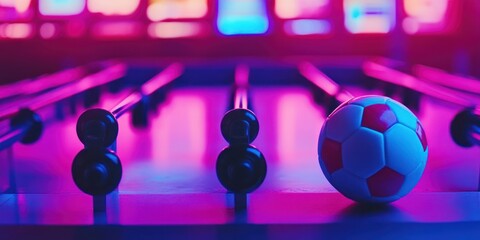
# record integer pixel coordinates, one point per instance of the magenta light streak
(16, 30)
(177, 29)
(381, 72)
(117, 29)
(42, 83)
(446, 79)
(117, 7)
(105, 76)
(298, 9)
(165, 77)
(431, 17)
(160, 80)
(322, 81)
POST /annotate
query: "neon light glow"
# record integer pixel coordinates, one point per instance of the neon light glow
(118, 29)
(242, 17)
(159, 10)
(16, 30)
(14, 9)
(307, 27)
(426, 15)
(20, 6)
(290, 9)
(61, 7)
(426, 11)
(175, 29)
(117, 7)
(48, 30)
(369, 16)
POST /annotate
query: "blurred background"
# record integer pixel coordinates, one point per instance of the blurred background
(174, 157)
(38, 36)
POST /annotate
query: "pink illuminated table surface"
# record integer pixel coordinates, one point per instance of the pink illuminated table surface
(169, 173)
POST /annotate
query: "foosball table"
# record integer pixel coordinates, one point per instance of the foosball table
(222, 119)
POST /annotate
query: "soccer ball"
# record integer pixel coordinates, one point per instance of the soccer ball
(372, 149)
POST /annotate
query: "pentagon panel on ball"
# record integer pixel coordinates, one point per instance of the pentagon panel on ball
(373, 149)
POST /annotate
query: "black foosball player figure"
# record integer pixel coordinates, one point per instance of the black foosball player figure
(241, 168)
(97, 170)
(25, 125)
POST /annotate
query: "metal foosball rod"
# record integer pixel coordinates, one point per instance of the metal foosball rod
(25, 127)
(107, 75)
(99, 127)
(97, 170)
(380, 69)
(441, 77)
(240, 124)
(465, 126)
(241, 168)
(335, 93)
(397, 78)
(21, 93)
(25, 124)
(30, 87)
(42, 83)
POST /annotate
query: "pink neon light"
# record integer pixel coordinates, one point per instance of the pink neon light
(446, 79)
(21, 6)
(117, 29)
(290, 9)
(159, 10)
(117, 7)
(426, 15)
(426, 11)
(14, 10)
(16, 30)
(48, 30)
(175, 29)
(323, 82)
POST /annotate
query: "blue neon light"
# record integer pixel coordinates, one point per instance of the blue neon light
(61, 7)
(363, 16)
(309, 26)
(238, 17)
